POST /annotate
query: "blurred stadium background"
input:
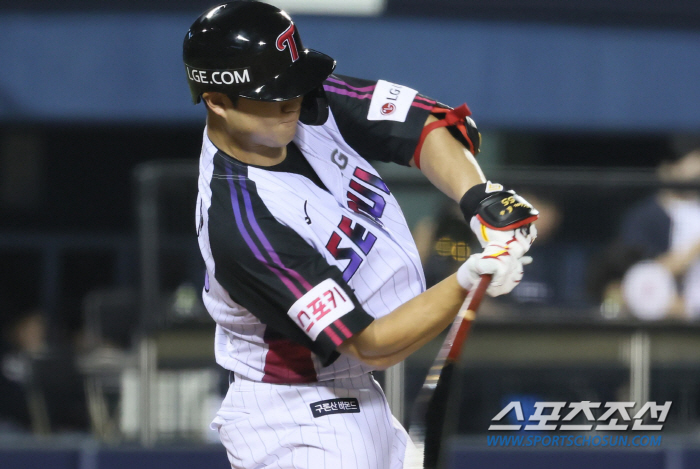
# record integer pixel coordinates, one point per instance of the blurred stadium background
(590, 108)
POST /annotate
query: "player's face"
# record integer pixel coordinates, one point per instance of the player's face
(267, 124)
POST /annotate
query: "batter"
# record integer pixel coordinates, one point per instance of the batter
(313, 277)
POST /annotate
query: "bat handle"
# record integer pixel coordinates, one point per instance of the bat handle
(466, 315)
(478, 293)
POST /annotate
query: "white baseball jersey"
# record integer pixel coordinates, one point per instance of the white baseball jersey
(302, 255)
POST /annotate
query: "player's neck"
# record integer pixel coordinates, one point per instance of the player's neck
(243, 151)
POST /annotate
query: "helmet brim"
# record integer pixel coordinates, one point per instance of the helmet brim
(304, 75)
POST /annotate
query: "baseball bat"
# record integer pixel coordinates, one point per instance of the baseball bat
(430, 407)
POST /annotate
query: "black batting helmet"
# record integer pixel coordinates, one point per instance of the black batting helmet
(253, 50)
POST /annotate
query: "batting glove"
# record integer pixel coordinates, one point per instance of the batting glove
(517, 241)
(506, 269)
(496, 215)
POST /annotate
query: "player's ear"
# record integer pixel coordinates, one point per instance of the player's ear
(217, 102)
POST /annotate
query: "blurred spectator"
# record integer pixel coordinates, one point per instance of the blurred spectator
(444, 242)
(653, 262)
(44, 390)
(543, 281)
(556, 277)
(23, 334)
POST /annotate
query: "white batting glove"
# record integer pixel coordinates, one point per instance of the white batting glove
(517, 241)
(507, 270)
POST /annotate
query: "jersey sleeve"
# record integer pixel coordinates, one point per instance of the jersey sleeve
(269, 269)
(382, 121)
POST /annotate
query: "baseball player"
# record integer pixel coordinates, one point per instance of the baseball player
(312, 275)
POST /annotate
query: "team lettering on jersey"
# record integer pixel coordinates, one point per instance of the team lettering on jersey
(358, 234)
(358, 205)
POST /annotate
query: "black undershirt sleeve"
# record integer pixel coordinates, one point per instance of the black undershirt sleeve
(382, 140)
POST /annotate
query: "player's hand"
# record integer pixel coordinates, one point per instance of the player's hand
(496, 215)
(496, 259)
(518, 240)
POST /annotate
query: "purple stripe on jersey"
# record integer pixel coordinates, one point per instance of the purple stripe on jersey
(263, 239)
(352, 94)
(341, 82)
(249, 241)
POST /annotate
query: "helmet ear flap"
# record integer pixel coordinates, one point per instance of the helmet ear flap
(314, 107)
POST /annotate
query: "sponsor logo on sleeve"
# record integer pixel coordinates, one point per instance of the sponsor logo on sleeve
(390, 102)
(320, 307)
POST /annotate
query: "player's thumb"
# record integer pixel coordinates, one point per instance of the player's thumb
(525, 260)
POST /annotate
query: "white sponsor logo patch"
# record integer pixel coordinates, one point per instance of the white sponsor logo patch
(320, 307)
(390, 102)
(219, 77)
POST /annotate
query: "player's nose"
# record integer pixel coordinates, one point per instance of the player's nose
(293, 105)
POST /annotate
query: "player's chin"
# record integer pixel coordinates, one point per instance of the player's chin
(278, 140)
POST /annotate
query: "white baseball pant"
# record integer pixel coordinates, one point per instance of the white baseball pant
(338, 424)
